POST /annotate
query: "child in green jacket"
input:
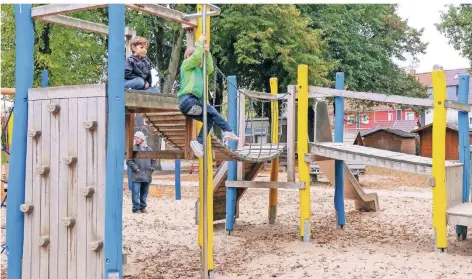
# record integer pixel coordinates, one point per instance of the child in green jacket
(191, 94)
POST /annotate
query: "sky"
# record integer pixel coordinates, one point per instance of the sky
(425, 15)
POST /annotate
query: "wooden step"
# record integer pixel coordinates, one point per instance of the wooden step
(266, 185)
(460, 215)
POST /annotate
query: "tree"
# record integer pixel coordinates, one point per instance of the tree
(456, 25)
(365, 39)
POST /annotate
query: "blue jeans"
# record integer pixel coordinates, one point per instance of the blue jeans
(140, 192)
(186, 102)
(138, 84)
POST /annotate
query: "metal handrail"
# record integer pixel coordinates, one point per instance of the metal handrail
(214, 11)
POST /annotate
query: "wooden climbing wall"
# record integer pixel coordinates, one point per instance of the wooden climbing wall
(65, 183)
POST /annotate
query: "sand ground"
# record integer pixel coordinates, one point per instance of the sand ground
(396, 242)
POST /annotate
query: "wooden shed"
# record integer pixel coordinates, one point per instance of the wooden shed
(452, 141)
(390, 139)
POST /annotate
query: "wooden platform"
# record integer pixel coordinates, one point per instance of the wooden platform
(376, 157)
(460, 215)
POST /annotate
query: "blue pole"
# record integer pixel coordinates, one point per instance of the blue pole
(116, 143)
(16, 180)
(464, 146)
(178, 195)
(232, 165)
(44, 78)
(338, 164)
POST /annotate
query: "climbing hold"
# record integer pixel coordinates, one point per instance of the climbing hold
(43, 241)
(43, 170)
(69, 160)
(91, 125)
(87, 191)
(54, 108)
(68, 221)
(96, 245)
(34, 133)
(26, 208)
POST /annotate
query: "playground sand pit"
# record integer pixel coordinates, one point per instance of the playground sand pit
(396, 242)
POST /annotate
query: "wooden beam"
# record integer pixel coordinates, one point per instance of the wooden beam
(163, 12)
(291, 145)
(166, 154)
(450, 104)
(68, 21)
(320, 92)
(129, 132)
(8, 91)
(266, 185)
(57, 9)
(264, 96)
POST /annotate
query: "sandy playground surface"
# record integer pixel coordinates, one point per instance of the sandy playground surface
(396, 242)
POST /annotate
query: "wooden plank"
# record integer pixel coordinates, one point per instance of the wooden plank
(166, 154)
(45, 187)
(91, 171)
(101, 135)
(55, 142)
(36, 215)
(188, 154)
(318, 92)
(56, 9)
(163, 12)
(89, 26)
(450, 104)
(266, 185)
(72, 189)
(264, 96)
(291, 110)
(454, 186)
(65, 92)
(8, 91)
(464, 209)
(29, 188)
(158, 115)
(140, 101)
(242, 133)
(129, 130)
(63, 183)
(81, 224)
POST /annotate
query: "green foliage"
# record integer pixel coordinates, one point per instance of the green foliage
(365, 39)
(257, 42)
(456, 25)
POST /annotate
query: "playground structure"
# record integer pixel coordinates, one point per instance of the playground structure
(81, 131)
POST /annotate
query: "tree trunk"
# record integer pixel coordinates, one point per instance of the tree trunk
(174, 60)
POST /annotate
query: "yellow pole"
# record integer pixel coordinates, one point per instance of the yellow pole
(274, 171)
(303, 169)
(439, 160)
(209, 168)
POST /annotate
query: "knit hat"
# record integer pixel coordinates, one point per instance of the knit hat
(140, 135)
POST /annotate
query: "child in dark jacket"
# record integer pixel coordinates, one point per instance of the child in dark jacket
(138, 67)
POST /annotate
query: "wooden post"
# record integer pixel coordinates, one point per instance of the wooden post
(274, 170)
(303, 167)
(338, 164)
(231, 192)
(464, 147)
(242, 132)
(16, 181)
(129, 130)
(439, 160)
(291, 110)
(113, 257)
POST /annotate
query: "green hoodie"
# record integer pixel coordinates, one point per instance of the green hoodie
(191, 72)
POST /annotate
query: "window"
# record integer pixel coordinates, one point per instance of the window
(410, 116)
(470, 121)
(350, 119)
(365, 119)
(390, 116)
(260, 131)
(248, 132)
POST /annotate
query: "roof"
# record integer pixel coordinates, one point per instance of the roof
(402, 125)
(451, 79)
(451, 127)
(396, 132)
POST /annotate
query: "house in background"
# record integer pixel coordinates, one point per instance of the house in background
(452, 141)
(452, 87)
(390, 139)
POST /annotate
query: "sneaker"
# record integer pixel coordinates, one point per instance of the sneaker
(197, 148)
(230, 136)
(137, 211)
(144, 210)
